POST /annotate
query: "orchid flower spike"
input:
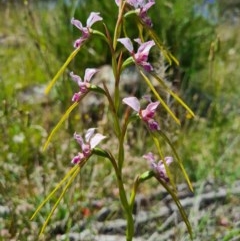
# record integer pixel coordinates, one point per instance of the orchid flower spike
(83, 85)
(159, 168)
(141, 56)
(87, 144)
(93, 18)
(145, 114)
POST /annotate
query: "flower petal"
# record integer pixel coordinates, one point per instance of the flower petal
(89, 74)
(153, 125)
(127, 44)
(148, 5)
(77, 23)
(75, 78)
(161, 167)
(76, 97)
(135, 3)
(147, 66)
(96, 139)
(78, 138)
(148, 98)
(89, 134)
(150, 110)
(78, 158)
(133, 102)
(138, 40)
(80, 41)
(94, 17)
(152, 106)
(149, 156)
(168, 160)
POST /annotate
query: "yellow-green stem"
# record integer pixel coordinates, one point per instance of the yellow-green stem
(123, 199)
(127, 209)
(118, 25)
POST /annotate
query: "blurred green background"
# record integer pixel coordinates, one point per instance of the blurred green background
(36, 37)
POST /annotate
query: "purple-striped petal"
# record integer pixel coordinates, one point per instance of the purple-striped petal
(75, 78)
(78, 138)
(89, 74)
(89, 134)
(93, 18)
(77, 23)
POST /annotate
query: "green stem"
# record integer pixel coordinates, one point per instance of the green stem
(120, 155)
(127, 207)
(134, 192)
(117, 128)
(117, 30)
(121, 140)
(121, 132)
(130, 227)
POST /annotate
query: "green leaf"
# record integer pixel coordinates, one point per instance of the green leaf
(176, 97)
(64, 117)
(146, 175)
(100, 152)
(158, 97)
(75, 173)
(64, 66)
(96, 32)
(179, 205)
(97, 89)
(167, 54)
(73, 170)
(127, 62)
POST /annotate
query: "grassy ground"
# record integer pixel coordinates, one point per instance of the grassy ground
(31, 51)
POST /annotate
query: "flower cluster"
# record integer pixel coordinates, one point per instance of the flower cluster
(91, 141)
(141, 7)
(141, 56)
(86, 31)
(145, 114)
(159, 168)
(83, 85)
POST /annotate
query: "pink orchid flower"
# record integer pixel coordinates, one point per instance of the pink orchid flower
(145, 114)
(159, 167)
(141, 56)
(83, 85)
(90, 142)
(93, 18)
(141, 8)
